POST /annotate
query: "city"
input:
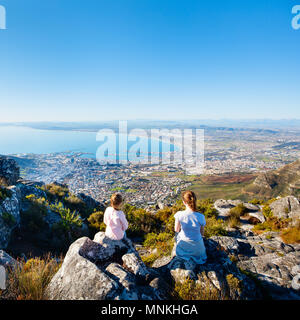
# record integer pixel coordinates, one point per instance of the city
(158, 185)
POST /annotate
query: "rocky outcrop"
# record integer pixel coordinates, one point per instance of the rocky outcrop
(214, 274)
(104, 269)
(288, 207)
(90, 202)
(224, 206)
(9, 215)
(269, 261)
(9, 171)
(240, 267)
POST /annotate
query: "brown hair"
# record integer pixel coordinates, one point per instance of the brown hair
(190, 199)
(115, 200)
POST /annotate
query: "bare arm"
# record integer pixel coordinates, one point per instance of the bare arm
(177, 226)
(202, 231)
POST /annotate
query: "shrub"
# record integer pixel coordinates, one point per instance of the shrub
(214, 227)
(291, 235)
(33, 218)
(233, 222)
(256, 201)
(68, 219)
(75, 204)
(234, 284)
(272, 224)
(96, 221)
(238, 211)
(154, 240)
(29, 280)
(267, 211)
(140, 221)
(201, 289)
(54, 191)
(162, 242)
(206, 207)
(149, 259)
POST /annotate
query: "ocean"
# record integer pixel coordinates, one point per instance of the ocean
(16, 140)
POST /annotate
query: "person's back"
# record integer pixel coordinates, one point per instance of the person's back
(191, 223)
(115, 220)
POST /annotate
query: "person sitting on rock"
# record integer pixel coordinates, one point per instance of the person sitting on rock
(189, 226)
(114, 218)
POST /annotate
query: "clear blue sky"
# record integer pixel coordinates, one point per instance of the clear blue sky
(158, 59)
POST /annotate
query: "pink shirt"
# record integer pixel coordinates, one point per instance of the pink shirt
(116, 223)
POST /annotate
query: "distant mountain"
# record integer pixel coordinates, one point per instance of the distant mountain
(280, 182)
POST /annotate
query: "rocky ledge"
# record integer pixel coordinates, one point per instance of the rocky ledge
(104, 269)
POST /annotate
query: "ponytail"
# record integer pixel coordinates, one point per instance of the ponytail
(190, 199)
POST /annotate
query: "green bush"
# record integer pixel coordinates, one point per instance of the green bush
(256, 201)
(68, 219)
(140, 221)
(75, 204)
(214, 227)
(202, 289)
(162, 242)
(267, 211)
(55, 191)
(96, 221)
(206, 207)
(238, 211)
(272, 224)
(33, 218)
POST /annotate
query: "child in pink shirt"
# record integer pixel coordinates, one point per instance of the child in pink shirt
(114, 218)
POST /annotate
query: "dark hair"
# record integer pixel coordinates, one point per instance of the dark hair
(190, 199)
(115, 200)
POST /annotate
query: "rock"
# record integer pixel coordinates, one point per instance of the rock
(80, 279)
(9, 171)
(161, 288)
(9, 216)
(226, 204)
(258, 215)
(134, 264)
(7, 261)
(288, 207)
(104, 270)
(251, 207)
(90, 202)
(180, 270)
(125, 279)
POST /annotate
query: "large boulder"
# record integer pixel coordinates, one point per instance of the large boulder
(9, 171)
(80, 279)
(288, 207)
(90, 202)
(104, 269)
(9, 215)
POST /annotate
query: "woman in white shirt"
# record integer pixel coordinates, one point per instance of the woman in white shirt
(189, 224)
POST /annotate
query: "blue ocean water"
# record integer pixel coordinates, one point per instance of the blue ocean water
(24, 140)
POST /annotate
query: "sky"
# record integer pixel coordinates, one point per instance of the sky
(94, 60)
